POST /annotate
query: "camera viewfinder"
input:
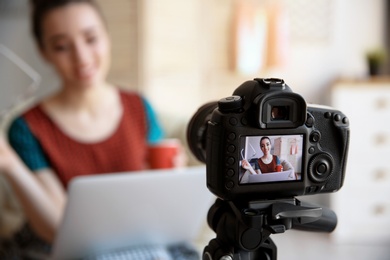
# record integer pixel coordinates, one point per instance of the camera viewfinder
(280, 113)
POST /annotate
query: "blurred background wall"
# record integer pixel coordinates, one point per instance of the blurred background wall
(181, 54)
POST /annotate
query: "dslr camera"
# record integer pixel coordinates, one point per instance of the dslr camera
(265, 143)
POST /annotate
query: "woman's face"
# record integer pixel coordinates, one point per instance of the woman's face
(76, 43)
(265, 146)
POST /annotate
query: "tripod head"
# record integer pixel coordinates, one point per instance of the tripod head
(243, 229)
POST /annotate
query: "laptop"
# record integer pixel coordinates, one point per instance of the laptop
(288, 175)
(154, 207)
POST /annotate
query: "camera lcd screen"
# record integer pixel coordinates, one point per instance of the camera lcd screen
(271, 158)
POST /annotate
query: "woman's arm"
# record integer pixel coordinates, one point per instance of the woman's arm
(246, 165)
(286, 165)
(41, 195)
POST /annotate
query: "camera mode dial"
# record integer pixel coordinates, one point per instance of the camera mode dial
(230, 104)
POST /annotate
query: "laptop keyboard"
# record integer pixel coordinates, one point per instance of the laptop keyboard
(174, 252)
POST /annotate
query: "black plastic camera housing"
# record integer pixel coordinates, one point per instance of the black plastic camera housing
(220, 133)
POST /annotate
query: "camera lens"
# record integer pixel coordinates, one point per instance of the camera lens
(197, 128)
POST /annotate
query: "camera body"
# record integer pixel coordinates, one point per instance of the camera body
(310, 143)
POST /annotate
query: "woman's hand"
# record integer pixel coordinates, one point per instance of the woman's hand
(246, 165)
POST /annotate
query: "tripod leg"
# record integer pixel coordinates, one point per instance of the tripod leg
(216, 251)
(267, 251)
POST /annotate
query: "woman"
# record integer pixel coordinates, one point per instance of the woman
(88, 127)
(268, 162)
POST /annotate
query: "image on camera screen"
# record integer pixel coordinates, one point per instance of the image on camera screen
(271, 158)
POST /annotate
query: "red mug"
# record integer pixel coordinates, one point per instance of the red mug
(162, 155)
(279, 168)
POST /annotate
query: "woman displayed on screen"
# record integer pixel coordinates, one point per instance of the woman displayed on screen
(266, 163)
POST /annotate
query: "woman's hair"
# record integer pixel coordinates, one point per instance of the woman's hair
(40, 8)
(265, 137)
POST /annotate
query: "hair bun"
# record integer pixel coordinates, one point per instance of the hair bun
(38, 2)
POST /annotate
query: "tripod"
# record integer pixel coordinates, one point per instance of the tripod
(243, 229)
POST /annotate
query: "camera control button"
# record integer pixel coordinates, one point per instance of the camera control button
(345, 120)
(337, 118)
(312, 150)
(311, 189)
(315, 137)
(229, 185)
(230, 160)
(328, 115)
(231, 148)
(309, 121)
(230, 173)
(321, 167)
(232, 136)
(230, 104)
(233, 121)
